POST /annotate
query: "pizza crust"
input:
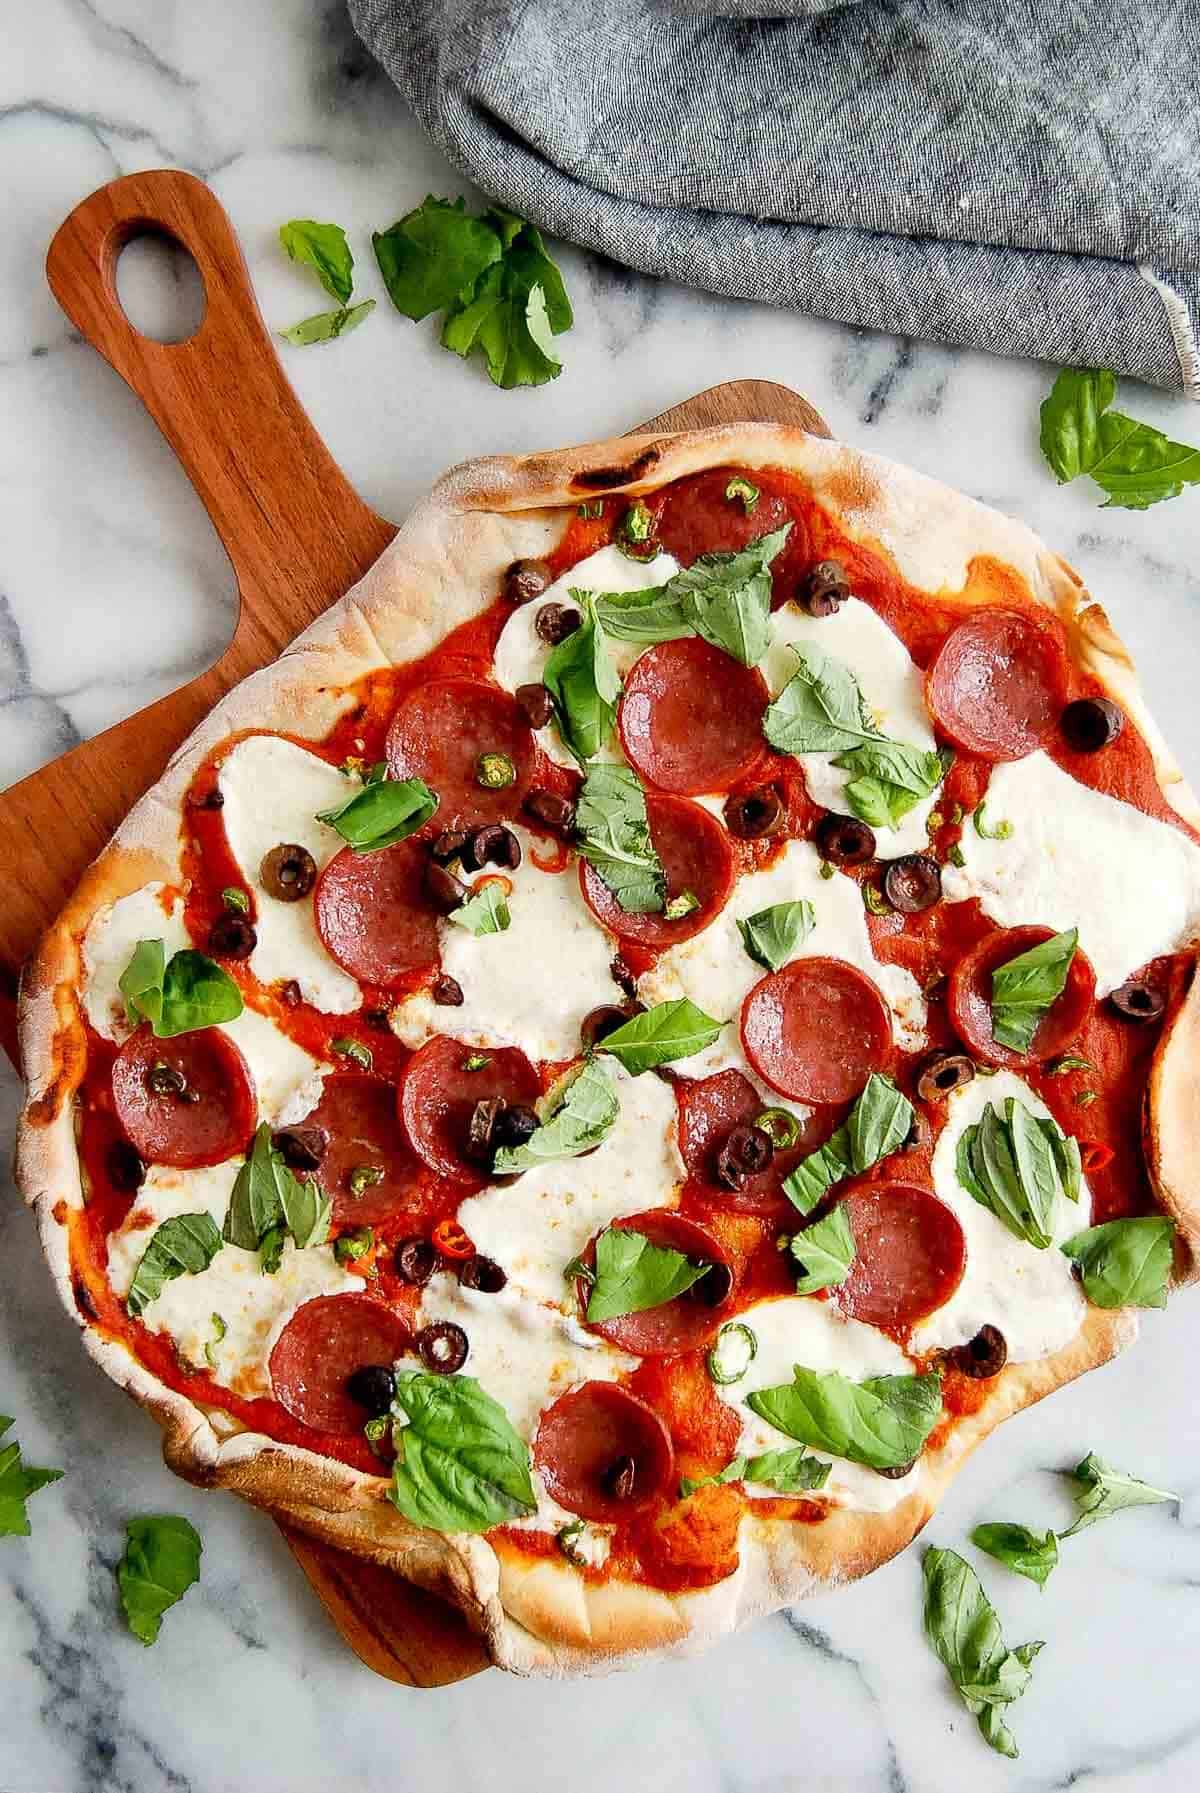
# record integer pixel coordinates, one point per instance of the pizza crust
(540, 1616)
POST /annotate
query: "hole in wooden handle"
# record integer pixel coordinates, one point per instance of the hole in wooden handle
(160, 287)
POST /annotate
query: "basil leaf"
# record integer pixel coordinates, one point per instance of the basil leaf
(824, 1252)
(890, 778)
(190, 993)
(582, 681)
(877, 1125)
(727, 597)
(161, 1561)
(1018, 1165)
(585, 1115)
(518, 306)
(461, 1466)
(486, 912)
(1102, 1491)
(382, 812)
(882, 1422)
(632, 1275)
(324, 249)
(820, 710)
(772, 936)
(270, 1249)
(307, 1210)
(668, 1031)
(182, 1246)
(614, 838)
(17, 1482)
(1066, 1155)
(788, 1472)
(267, 1203)
(963, 1630)
(1135, 464)
(1125, 1263)
(733, 1471)
(1019, 1549)
(1025, 987)
(807, 1184)
(433, 256)
(655, 614)
(141, 983)
(1037, 1167)
(326, 326)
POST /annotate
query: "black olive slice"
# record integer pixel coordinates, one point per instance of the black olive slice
(824, 589)
(552, 811)
(982, 1357)
(747, 1151)
(301, 1148)
(620, 1478)
(751, 815)
(373, 1387)
(912, 883)
(526, 580)
(288, 872)
(232, 937)
(554, 622)
(844, 840)
(483, 1274)
(1138, 1000)
(442, 1347)
(943, 1072)
(415, 1261)
(1091, 723)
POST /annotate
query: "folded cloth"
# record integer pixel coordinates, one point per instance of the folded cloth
(1014, 175)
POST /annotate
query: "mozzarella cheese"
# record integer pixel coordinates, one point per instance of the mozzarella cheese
(1030, 1295)
(273, 791)
(535, 1226)
(254, 1307)
(795, 1329)
(1078, 858)
(892, 687)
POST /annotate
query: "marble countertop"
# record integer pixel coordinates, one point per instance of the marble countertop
(113, 589)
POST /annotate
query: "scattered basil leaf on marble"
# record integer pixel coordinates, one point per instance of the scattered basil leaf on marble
(518, 307)
(584, 1117)
(324, 249)
(384, 811)
(1018, 1166)
(181, 1246)
(486, 912)
(824, 1252)
(18, 1481)
(460, 1467)
(882, 1421)
(668, 1031)
(180, 995)
(1019, 1549)
(1125, 1263)
(327, 326)
(614, 838)
(432, 257)
(160, 1564)
(964, 1631)
(876, 1126)
(1025, 987)
(582, 681)
(632, 1274)
(1133, 463)
(889, 778)
(1101, 1491)
(772, 936)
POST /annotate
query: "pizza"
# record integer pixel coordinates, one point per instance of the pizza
(598, 1078)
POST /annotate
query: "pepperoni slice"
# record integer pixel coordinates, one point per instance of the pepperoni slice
(970, 998)
(204, 1120)
(438, 1096)
(586, 1443)
(690, 1320)
(696, 856)
(997, 684)
(321, 1346)
(816, 1030)
(373, 915)
(697, 518)
(910, 1255)
(357, 1113)
(691, 717)
(709, 1110)
(438, 734)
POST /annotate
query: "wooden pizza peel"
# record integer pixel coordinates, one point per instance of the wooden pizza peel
(298, 537)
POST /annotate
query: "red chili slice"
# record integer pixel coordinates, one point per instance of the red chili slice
(439, 733)
(696, 856)
(970, 998)
(586, 1443)
(910, 1255)
(691, 717)
(450, 1240)
(816, 1030)
(357, 1113)
(438, 1095)
(373, 914)
(206, 1119)
(321, 1346)
(680, 1325)
(697, 518)
(709, 1110)
(998, 683)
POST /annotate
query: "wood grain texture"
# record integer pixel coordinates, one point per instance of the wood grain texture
(298, 537)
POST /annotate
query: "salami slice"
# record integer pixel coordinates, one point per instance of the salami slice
(970, 998)
(691, 717)
(321, 1346)
(698, 517)
(373, 914)
(439, 733)
(357, 1115)
(709, 1110)
(185, 1102)
(910, 1255)
(816, 1030)
(602, 1453)
(438, 1093)
(689, 1321)
(696, 856)
(998, 683)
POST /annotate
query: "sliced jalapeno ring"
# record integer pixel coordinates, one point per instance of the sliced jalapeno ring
(780, 1127)
(743, 1350)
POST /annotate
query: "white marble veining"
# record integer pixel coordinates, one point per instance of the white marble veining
(113, 588)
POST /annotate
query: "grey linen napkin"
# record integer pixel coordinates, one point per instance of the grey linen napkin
(1015, 175)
